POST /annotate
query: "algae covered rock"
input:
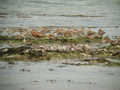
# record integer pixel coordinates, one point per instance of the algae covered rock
(35, 53)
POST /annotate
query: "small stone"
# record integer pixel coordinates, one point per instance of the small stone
(27, 70)
(51, 69)
(69, 80)
(36, 81)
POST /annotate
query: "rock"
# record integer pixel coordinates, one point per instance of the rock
(36, 81)
(25, 70)
(35, 53)
(11, 62)
(93, 59)
(51, 69)
(14, 50)
(116, 54)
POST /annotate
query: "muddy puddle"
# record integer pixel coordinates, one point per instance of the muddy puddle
(53, 75)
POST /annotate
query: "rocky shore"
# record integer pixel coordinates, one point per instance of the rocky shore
(62, 43)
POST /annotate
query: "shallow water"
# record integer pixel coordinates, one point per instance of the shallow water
(76, 13)
(56, 76)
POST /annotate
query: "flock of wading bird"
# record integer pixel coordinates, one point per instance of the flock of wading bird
(66, 33)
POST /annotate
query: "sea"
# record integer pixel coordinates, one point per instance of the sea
(91, 14)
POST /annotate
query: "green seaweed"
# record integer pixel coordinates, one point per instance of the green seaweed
(46, 40)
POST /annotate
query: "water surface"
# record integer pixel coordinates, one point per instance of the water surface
(77, 13)
(56, 76)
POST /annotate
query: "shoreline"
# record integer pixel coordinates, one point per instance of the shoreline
(61, 43)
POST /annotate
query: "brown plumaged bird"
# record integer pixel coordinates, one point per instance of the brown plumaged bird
(101, 32)
(52, 37)
(36, 34)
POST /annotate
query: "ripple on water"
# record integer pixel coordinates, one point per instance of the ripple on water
(69, 77)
